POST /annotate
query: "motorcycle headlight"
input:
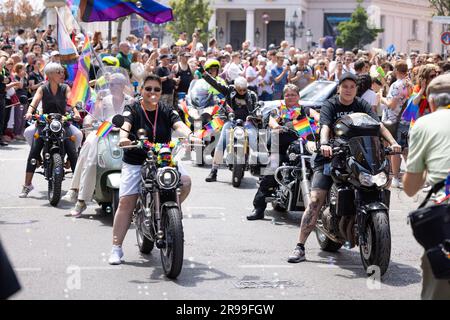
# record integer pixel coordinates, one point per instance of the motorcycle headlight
(369, 180)
(239, 133)
(167, 178)
(55, 126)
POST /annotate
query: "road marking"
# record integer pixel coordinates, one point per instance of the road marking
(21, 159)
(28, 269)
(268, 266)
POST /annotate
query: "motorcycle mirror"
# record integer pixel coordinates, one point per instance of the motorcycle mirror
(275, 113)
(23, 100)
(118, 120)
(142, 133)
(231, 116)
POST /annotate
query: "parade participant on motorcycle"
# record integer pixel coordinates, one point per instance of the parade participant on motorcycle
(335, 108)
(158, 120)
(288, 111)
(54, 97)
(83, 180)
(242, 101)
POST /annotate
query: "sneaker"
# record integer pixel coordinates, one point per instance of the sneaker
(116, 255)
(71, 196)
(298, 255)
(395, 183)
(80, 206)
(426, 189)
(25, 191)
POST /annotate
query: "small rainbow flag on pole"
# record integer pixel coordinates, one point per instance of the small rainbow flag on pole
(214, 125)
(303, 127)
(104, 129)
(81, 90)
(184, 106)
(314, 125)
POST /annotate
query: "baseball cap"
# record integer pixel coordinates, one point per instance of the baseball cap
(348, 76)
(440, 84)
(164, 56)
(54, 53)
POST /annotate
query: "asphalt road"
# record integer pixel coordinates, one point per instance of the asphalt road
(226, 257)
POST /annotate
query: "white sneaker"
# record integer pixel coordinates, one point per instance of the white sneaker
(25, 191)
(71, 196)
(395, 183)
(116, 256)
(426, 189)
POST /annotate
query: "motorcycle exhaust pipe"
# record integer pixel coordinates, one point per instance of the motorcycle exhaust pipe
(329, 235)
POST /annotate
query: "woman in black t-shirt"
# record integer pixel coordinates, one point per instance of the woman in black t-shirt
(158, 120)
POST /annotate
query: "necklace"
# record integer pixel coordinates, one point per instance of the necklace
(153, 125)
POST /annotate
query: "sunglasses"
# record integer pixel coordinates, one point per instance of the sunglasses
(152, 89)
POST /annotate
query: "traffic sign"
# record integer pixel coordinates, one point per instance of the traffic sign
(445, 38)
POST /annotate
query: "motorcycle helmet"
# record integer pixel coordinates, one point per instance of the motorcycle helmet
(212, 63)
(111, 61)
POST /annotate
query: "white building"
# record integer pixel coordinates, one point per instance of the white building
(407, 23)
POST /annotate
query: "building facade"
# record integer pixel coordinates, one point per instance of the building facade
(407, 23)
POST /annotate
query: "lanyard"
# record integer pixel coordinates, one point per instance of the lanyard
(153, 125)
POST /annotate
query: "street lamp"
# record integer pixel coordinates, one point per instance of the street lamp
(309, 37)
(257, 35)
(221, 33)
(295, 30)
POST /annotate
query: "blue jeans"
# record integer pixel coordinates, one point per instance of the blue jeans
(252, 140)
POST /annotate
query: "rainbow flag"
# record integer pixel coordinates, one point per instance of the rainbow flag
(303, 127)
(315, 127)
(184, 106)
(104, 129)
(412, 123)
(81, 90)
(111, 10)
(411, 111)
(215, 124)
(447, 185)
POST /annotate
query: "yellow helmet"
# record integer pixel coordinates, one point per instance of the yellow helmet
(111, 61)
(211, 63)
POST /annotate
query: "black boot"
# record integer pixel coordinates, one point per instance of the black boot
(257, 214)
(212, 176)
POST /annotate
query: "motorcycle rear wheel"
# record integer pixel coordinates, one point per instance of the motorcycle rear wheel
(57, 176)
(172, 254)
(377, 252)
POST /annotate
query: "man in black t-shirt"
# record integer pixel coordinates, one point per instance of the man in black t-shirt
(8, 280)
(335, 108)
(168, 80)
(158, 120)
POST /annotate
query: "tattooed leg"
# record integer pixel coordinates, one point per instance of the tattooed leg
(311, 214)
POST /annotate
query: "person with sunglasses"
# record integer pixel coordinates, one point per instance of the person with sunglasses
(158, 120)
(242, 101)
(54, 96)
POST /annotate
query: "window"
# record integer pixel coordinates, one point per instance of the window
(415, 27)
(429, 32)
(382, 26)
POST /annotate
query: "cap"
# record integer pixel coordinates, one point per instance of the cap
(439, 84)
(348, 76)
(164, 56)
(185, 54)
(54, 53)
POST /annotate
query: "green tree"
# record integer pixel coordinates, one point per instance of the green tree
(442, 7)
(190, 15)
(356, 33)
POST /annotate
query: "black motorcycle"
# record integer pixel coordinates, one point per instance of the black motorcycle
(357, 207)
(52, 129)
(158, 215)
(294, 175)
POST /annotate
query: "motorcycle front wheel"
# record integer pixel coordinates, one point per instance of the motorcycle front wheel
(57, 175)
(172, 253)
(377, 251)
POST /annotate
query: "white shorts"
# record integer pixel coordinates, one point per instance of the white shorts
(130, 179)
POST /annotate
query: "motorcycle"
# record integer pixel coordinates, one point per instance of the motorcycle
(294, 175)
(238, 151)
(357, 208)
(52, 129)
(158, 215)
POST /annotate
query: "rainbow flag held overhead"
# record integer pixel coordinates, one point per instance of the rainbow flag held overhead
(303, 127)
(81, 90)
(412, 110)
(111, 10)
(104, 129)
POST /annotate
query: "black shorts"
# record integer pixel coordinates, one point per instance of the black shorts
(320, 181)
(402, 134)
